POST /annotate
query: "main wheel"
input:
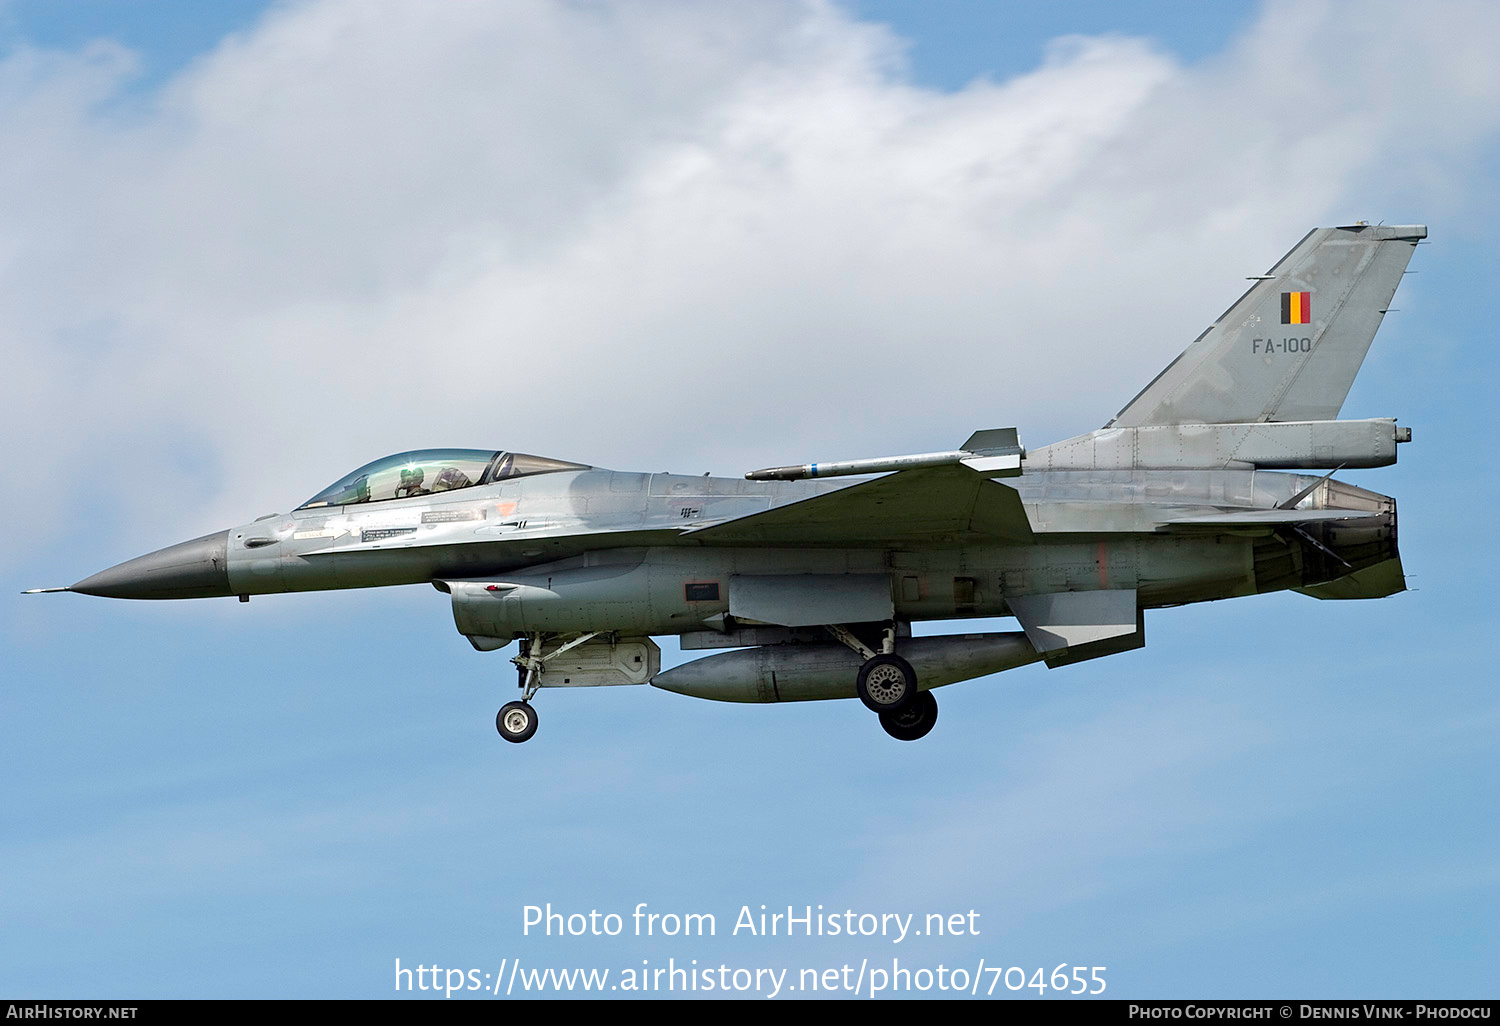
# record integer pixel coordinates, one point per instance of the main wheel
(912, 722)
(886, 684)
(516, 721)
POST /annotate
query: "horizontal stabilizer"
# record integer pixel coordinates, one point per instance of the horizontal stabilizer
(1266, 518)
(1378, 581)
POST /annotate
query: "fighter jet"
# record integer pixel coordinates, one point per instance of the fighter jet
(810, 576)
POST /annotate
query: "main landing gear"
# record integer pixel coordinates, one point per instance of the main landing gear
(887, 685)
(914, 721)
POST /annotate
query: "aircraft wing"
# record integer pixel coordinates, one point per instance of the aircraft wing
(932, 503)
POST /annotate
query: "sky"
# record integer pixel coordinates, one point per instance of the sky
(247, 247)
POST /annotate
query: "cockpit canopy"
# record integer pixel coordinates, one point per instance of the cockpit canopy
(430, 471)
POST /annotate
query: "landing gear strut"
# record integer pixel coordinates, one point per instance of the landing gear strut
(516, 721)
(887, 685)
(886, 682)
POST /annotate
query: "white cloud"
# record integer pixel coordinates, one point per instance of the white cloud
(656, 235)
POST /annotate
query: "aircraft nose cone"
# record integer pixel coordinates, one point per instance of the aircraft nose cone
(190, 569)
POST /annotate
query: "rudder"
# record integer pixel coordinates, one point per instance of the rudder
(1290, 347)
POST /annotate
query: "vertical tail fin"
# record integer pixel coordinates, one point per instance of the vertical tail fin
(1290, 347)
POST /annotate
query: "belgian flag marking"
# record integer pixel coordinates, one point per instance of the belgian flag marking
(1296, 308)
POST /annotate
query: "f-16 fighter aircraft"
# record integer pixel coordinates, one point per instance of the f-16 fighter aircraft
(810, 576)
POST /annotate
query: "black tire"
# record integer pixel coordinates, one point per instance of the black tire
(913, 722)
(516, 721)
(886, 684)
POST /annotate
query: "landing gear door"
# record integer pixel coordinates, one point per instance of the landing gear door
(603, 663)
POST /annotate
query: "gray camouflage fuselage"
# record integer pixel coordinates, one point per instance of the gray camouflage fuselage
(1190, 494)
(1093, 530)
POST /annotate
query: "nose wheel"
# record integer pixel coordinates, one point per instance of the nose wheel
(516, 721)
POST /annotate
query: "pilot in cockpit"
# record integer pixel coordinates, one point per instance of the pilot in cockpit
(451, 470)
(411, 483)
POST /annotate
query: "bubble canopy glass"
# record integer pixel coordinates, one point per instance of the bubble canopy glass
(431, 472)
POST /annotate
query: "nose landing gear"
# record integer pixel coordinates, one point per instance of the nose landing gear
(517, 721)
